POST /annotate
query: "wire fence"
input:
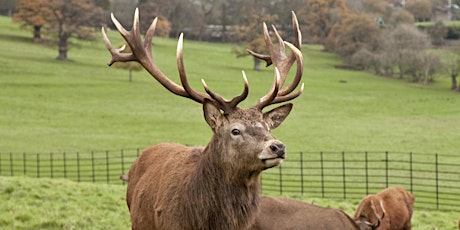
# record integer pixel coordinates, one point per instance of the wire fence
(433, 178)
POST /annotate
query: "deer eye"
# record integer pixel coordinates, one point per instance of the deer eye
(236, 132)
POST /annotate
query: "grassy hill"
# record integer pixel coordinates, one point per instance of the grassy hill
(60, 204)
(81, 105)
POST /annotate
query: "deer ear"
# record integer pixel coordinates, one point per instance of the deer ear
(276, 116)
(212, 114)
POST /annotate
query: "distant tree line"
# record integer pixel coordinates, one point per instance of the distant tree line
(372, 35)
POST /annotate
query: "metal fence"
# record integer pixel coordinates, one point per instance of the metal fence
(433, 178)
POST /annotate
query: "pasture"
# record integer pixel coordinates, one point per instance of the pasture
(61, 204)
(83, 105)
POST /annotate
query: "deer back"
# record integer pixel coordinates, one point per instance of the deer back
(282, 213)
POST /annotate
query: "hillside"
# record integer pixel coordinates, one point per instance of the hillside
(84, 105)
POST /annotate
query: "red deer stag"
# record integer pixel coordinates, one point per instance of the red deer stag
(172, 186)
(395, 202)
(282, 213)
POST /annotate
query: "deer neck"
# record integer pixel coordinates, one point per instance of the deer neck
(224, 200)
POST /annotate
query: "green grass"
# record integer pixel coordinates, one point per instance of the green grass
(446, 23)
(82, 105)
(61, 204)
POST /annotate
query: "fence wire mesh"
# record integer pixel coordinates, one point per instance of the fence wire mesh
(433, 178)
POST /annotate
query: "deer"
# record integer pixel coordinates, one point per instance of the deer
(396, 204)
(284, 213)
(217, 186)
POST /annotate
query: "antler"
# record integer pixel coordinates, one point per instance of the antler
(379, 218)
(141, 52)
(282, 66)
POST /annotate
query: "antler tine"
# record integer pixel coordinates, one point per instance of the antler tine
(274, 97)
(271, 95)
(278, 58)
(283, 63)
(195, 95)
(225, 105)
(141, 52)
(117, 55)
(296, 55)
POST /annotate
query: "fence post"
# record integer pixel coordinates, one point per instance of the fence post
(51, 165)
(122, 162)
(107, 165)
(281, 179)
(437, 181)
(386, 169)
(65, 165)
(344, 177)
(38, 165)
(301, 173)
(24, 163)
(11, 164)
(92, 166)
(78, 166)
(411, 173)
(322, 174)
(367, 171)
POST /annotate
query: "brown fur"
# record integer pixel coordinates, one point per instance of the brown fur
(281, 213)
(172, 186)
(398, 204)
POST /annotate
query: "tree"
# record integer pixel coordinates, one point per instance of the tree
(353, 33)
(404, 42)
(32, 13)
(73, 18)
(400, 16)
(64, 18)
(451, 65)
(318, 18)
(149, 11)
(420, 9)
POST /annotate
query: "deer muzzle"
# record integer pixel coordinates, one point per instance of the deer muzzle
(279, 149)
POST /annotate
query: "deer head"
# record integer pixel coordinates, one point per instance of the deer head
(224, 117)
(366, 224)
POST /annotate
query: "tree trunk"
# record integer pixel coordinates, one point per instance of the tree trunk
(454, 81)
(37, 34)
(62, 49)
(257, 64)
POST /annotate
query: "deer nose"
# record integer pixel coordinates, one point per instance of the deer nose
(279, 149)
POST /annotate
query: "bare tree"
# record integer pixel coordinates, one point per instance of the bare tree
(451, 65)
(403, 43)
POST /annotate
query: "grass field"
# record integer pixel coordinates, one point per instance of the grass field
(83, 105)
(60, 204)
